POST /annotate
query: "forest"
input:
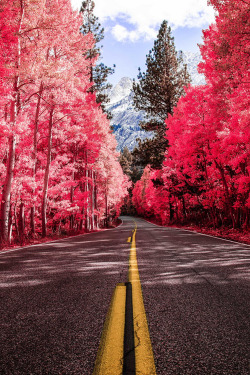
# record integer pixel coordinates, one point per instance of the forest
(59, 166)
(60, 170)
(203, 177)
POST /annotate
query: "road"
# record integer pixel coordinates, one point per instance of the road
(196, 289)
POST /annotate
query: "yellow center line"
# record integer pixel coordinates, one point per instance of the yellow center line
(144, 358)
(109, 360)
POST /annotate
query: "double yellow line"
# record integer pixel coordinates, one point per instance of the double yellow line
(109, 359)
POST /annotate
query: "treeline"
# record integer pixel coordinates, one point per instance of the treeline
(204, 177)
(59, 167)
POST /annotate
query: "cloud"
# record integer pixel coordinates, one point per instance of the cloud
(141, 18)
(122, 34)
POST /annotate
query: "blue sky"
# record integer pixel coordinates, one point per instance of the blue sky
(131, 27)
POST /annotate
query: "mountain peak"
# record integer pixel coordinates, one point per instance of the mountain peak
(126, 119)
(121, 89)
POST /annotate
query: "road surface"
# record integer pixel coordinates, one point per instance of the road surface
(54, 298)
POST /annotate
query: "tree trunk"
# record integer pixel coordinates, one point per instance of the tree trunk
(184, 212)
(34, 156)
(171, 212)
(16, 225)
(21, 222)
(10, 226)
(5, 204)
(32, 219)
(214, 218)
(95, 203)
(247, 218)
(87, 191)
(46, 176)
(106, 210)
(92, 201)
(72, 216)
(81, 187)
(227, 194)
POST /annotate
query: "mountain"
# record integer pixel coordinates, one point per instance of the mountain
(192, 60)
(126, 118)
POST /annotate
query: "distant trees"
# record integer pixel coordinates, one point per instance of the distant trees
(129, 168)
(59, 168)
(157, 93)
(126, 161)
(205, 177)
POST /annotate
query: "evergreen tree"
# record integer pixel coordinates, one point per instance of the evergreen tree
(134, 173)
(125, 160)
(129, 168)
(100, 72)
(157, 93)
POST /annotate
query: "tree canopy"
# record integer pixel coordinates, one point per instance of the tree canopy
(205, 178)
(99, 72)
(59, 168)
(157, 93)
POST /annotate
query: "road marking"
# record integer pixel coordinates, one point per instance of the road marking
(144, 358)
(109, 360)
(113, 346)
(129, 341)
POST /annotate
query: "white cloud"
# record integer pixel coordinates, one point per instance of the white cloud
(122, 34)
(144, 16)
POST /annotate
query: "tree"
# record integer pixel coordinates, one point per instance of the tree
(98, 72)
(59, 166)
(16, 37)
(205, 177)
(157, 93)
(225, 53)
(125, 160)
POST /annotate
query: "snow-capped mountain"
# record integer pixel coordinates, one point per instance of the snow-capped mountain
(192, 60)
(126, 119)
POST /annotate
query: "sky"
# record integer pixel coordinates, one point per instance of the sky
(131, 27)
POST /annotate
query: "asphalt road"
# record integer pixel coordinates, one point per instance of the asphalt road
(54, 298)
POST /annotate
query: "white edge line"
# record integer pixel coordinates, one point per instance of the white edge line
(202, 234)
(59, 240)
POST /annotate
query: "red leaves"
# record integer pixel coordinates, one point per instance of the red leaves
(206, 173)
(57, 124)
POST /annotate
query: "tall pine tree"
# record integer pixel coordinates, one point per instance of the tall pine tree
(157, 93)
(99, 72)
(129, 168)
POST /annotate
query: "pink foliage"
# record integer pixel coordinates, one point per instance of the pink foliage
(58, 159)
(206, 172)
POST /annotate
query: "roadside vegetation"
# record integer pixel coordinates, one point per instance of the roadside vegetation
(59, 168)
(202, 179)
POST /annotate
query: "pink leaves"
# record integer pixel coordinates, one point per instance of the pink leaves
(62, 136)
(206, 171)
